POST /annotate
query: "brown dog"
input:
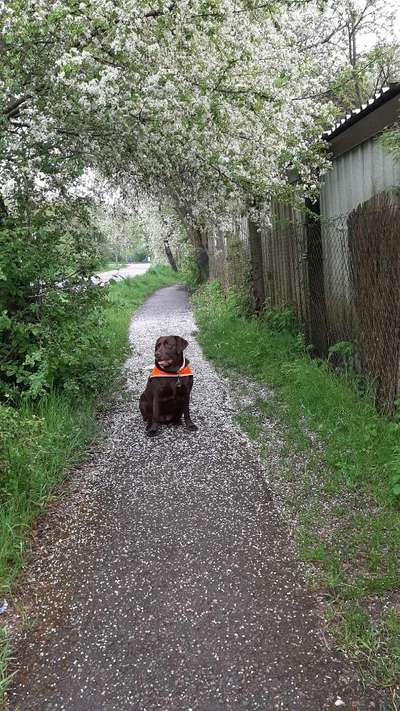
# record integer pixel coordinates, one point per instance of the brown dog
(167, 394)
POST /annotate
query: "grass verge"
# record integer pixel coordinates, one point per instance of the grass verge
(339, 489)
(40, 440)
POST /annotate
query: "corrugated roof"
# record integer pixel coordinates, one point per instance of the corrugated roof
(386, 93)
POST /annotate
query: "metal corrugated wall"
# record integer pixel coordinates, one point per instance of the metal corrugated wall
(355, 177)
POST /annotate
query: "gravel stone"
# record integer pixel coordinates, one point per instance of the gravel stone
(166, 578)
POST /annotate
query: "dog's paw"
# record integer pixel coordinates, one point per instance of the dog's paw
(192, 427)
(151, 433)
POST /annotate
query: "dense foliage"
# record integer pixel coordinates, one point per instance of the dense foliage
(51, 310)
(201, 105)
(390, 140)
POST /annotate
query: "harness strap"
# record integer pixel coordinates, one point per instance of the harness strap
(183, 372)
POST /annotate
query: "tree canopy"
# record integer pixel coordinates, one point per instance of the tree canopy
(170, 116)
(202, 104)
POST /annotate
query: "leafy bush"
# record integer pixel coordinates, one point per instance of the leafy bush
(390, 141)
(281, 319)
(140, 254)
(50, 310)
(188, 267)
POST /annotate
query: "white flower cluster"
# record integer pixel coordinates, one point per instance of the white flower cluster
(200, 105)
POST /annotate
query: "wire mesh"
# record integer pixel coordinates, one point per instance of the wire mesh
(341, 277)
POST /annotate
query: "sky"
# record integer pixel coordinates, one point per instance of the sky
(369, 39)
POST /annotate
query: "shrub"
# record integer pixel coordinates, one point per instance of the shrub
(188, 267)
(50, 311)
(281, 319)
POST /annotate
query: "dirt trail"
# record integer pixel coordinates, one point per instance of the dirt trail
(168, 579)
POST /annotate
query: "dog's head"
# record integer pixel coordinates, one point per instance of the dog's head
(168, 352)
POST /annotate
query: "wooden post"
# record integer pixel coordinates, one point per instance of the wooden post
(316, 328)
(256, 262)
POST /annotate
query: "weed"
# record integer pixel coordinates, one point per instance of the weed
(394, 470)
(376, 645)
(280, 319)
(5, 678)
(249, 424)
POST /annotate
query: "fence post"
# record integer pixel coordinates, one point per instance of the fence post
(316, 326)
(256, 266)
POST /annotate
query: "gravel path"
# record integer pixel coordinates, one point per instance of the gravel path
(131, 270)
(166, 579)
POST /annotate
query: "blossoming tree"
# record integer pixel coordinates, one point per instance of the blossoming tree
(200, 104)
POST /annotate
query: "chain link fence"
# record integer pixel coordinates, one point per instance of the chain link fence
(341, 277)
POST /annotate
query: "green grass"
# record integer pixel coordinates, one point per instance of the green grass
(349, 520)
(249, 423)
(5, 678)
(375, 646)
(40, 441)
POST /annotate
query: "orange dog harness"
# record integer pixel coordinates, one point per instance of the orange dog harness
(183, 372)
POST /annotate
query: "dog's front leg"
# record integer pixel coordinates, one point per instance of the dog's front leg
(186, 415)
(152, 430)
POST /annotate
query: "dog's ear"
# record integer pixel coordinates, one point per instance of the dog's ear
(181, 344)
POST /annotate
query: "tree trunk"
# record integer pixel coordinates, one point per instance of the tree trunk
(199, 240)
(170, 256)
(3, 210)
(203, 263)
(353, 58)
